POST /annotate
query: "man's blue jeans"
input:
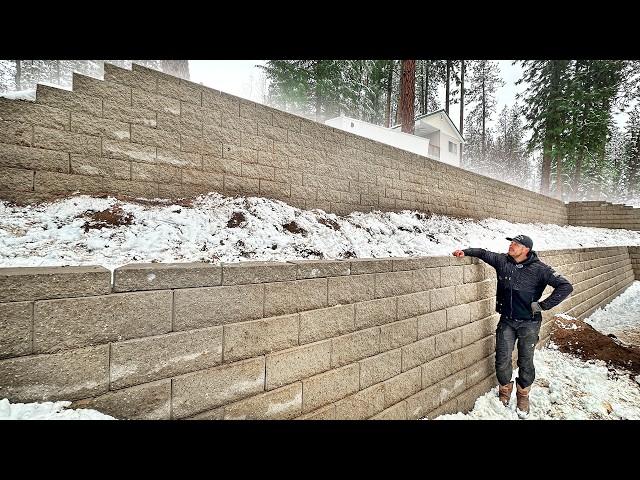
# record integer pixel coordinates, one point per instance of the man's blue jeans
(526, 333)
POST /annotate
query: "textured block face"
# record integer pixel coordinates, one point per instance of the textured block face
(147, 359)
(282, 404)
(205, 307)
(288, 297)
(297, 363)
(35, 283)
(16, 156)
(402, 386)
(249, 339)
(16, 329)
(329, 387)
(398, 334)
(351, 289)
(70, 375)
(418, 353)
(151, 401)
(200, 391)
(432, 324)
(362, 405)
(381, 367)
(257, 272)
(326, 323)
(164, 276)
(355, 346)
(76, 322)
(375, 312)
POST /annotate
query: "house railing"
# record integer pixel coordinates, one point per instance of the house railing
(434, 151)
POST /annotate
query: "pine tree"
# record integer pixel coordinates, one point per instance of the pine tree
(407, 96)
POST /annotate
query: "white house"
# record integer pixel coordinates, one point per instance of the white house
(436, 136)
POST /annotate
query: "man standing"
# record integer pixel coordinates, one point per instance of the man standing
(522, 278)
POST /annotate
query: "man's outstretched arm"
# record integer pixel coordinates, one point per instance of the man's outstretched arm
(491, 258)
(562, 288)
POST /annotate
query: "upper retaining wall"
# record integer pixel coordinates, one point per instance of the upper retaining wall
(144, 133)
(368, 338)
(603, 215)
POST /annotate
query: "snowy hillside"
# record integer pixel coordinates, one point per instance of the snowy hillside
(83, 230)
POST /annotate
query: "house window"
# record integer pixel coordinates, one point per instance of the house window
(453, 147)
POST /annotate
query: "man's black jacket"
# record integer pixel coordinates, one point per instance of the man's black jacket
(521, 284)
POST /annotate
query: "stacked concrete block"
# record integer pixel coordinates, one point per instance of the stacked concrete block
(141, 132)
(390, 338)
(602, 214)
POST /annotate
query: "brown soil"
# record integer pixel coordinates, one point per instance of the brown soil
(293, 227)
(329, 223)
(236, 220)
(587, 343)
(113, 216)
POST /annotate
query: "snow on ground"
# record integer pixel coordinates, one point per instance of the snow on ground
(567, 387)
(47, 411)
(29, 95)
(52, 233)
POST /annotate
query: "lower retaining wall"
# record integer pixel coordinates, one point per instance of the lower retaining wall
(399, 338)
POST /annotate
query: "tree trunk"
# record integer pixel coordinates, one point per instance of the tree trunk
(559, 182)
(422, 97)
(407, 96)
(484, 113)
(461, 104)
(576, 175)
(446, 95)
(426, 89)
(18, 75)
(389, 93)
(546, 168)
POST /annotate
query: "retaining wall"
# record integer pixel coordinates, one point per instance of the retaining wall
(603, 215)
(144, 133)
(399, 338)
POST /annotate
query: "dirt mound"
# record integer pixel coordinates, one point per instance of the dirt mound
(293, 227)
(329, 223)
(237, 219)
(582, 340)
(113, 216)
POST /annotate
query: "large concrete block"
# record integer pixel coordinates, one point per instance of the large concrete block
(155, 137)
(324, 413)
(355, 346)
(165, 276)
(185, 91)
(151, 401)
(448, 341)
(101, 127)
(329, 387)
(250, 339)
(414, 304)
(418, 263)
(297, 363)
(16, 327)
(466, 293)
(326, 323)
(151, 101)
(240, 273)
(204, 390)
(155, 173)
(53, 139)
(147, 359)
(77, 322)
(68, 100)
(453, 275)
(281, 298)
(16, 156)
(204, 307)
(100, 88)
(398, 334)
(34, 114)
(432, 324)
(69, 375)
(380, 367)
(16, 133)
(376, 312)
(131, 78)
(35, 283)
(321, 268)
(16, 179)
(394, 283)
(351, 289)
(440, 368)
(458, 315)
(114, 110)
(426, 279)
(128, 151)
(443, 298)
(395, 412)
(282, 404)
(418, 353)
(421, 403)
(361, 406)
(100, 167)
(402, 386)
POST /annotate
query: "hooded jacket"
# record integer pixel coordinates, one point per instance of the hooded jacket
(521, 284)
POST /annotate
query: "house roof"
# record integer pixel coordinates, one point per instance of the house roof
(446, 115)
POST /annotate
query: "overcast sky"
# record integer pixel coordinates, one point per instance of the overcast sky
(244, 79)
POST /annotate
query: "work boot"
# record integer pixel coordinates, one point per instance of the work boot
(504, 393)
(522, 397)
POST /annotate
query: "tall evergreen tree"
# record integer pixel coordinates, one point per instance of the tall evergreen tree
(407, 96)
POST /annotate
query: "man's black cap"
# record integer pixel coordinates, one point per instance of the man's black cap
(522, 240)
